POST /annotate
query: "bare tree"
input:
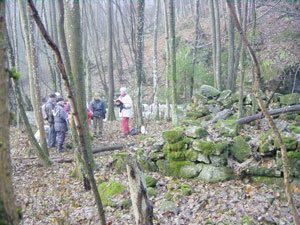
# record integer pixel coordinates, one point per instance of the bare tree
(231, 72)
(6, 186)
(139, 58)
(32, 62)
(111, 113)
(218, 46)
(154, 70)
(173, 62)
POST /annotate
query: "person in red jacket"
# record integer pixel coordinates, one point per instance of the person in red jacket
(89, 116)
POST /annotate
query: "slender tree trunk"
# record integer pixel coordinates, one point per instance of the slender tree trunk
(111, 112)
(6, 185)
(214, 40)
(167, 60)
(173, 63)
(231, 76)
(139, 59)
(218, 46)
(154, 71)
(256, 89)
(80, 112)
(196, 42)
(33, 72)
(242, 62)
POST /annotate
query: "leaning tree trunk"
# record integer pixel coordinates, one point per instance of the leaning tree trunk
(6, 186)
(80, 112)
(34, 84)
(142, 207)
(154, 63)
(173, 63)
(256, 89)
(111, 113)
(139, 59)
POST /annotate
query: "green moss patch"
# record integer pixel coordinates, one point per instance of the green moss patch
(150, 181)
(173, 136)
(290, 99)
(240, 149)
(290, 143)
(109, 190)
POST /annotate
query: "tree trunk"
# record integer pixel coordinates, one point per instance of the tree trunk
(111, 113)
(168, 116)
(33, 73)
(80, 112)
(6, 185)
(231, 76)
(218, 47)
(139, 59)
(196, 42)
(214, 40)
(142, 207)
(173, 63)
(242, 62)
(154, 63)
(44, 158)
(256, 89)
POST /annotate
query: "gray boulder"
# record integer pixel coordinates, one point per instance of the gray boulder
(209, 91)
(212, 174)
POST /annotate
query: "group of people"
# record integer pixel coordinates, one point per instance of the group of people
(56, 111)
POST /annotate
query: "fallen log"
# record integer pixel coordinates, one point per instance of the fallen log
(95, 151)
(273, 112)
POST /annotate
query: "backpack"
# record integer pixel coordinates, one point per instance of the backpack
(97, 106)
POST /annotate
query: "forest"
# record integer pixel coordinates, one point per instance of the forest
(167, 112)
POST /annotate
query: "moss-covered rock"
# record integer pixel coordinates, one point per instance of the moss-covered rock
(196, 132)
(154, 156)
(191, 155)
(212, 174)
(173, 136)
(109, 190)
(240, 149)
(172, 168)
(198, 112)
(295, 129)
(119, 162)
(176, 147)
(224, 95)
(151, 192)
(263, 171)
(190, 171)
(186, 189)
(266, 142)
(150, 181)
(204, 147)
(294, 163)
(228, 102)
(203, 158)
(209, 91)
(219, 160)
(228, 127)
(291, 143)
(290, 99)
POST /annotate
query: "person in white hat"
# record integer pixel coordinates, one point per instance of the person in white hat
(126, 109)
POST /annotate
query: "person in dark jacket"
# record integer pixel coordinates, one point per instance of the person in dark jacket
(60, 123)
(98, 109)
(49, 107)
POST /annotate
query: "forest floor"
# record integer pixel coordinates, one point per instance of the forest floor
(52, 196)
